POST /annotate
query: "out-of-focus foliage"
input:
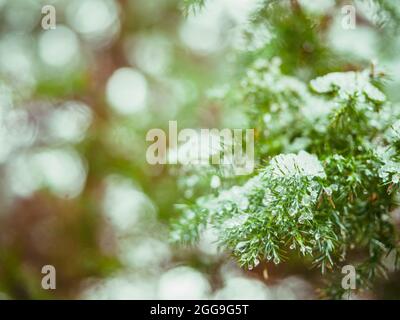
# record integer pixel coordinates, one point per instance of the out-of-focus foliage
(76, 191)
(76, 103)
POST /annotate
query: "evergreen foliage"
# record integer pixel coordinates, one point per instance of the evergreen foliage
(328, 146)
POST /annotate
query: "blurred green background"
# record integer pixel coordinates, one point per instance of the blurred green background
(76, 103)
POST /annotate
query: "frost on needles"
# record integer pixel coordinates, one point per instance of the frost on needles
(324, 188)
